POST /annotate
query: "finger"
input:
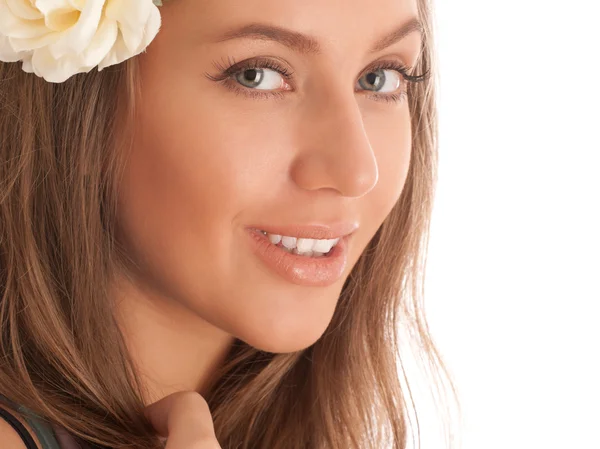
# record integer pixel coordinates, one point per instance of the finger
(184, 417)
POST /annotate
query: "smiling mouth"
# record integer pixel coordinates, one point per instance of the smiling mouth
(300, 262)
(302, 246)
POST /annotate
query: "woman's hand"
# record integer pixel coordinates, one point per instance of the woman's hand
(184, 419)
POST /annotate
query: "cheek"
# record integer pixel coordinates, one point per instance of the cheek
(183, 189)
(391, 140)
(198, 161)
(184, 198)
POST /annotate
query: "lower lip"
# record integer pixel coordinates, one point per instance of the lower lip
(302, 270)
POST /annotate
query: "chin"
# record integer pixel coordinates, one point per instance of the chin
(281, 340)
(277, 318)
(281, 347)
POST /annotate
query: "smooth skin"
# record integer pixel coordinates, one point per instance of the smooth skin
(183, 420)
(207, 162)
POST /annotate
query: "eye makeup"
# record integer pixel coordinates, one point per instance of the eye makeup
(228, 76)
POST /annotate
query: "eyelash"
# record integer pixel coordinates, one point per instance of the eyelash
(227, 74)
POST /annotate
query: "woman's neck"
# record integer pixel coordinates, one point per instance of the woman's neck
(172, 347)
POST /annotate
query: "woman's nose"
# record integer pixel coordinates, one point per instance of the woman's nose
(334, 150)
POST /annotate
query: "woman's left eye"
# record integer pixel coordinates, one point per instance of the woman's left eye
(262, 77)
(378, 80)
(388, 82)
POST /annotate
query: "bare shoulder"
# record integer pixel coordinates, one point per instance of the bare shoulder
(9, 436)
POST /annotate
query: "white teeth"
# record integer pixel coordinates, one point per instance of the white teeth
(324, 246)
(303, 246)
(274, 238)
(303, 253)
(288, 242)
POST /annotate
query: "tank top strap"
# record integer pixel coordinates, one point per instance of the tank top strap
(42, 429)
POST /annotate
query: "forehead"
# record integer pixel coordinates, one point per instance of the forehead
(333, 23)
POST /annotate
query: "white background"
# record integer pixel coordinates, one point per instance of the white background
(513, 280)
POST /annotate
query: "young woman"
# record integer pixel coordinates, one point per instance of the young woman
(213, 221)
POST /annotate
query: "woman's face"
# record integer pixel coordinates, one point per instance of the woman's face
(323, 147)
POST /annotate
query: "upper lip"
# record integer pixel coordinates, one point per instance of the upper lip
(318, 231)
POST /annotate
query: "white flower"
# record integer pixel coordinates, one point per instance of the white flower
(55, 39)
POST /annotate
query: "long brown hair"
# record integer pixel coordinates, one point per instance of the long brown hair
(62, 355)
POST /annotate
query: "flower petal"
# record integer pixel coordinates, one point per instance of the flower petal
(56, 70)
(24, 9)
(118, 54)
(62, 19)
(34, 43)
(49, 6)
(121, 52)
(151, 30)
(77, 4)
(7, 52)
(79, 36)
(11, 25)
(56, 39)
(132, 17)
(101, 44)
(27, 66)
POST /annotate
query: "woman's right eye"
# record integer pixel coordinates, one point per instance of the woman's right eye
(260, 78)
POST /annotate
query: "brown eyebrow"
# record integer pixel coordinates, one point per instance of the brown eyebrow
(305, 44)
